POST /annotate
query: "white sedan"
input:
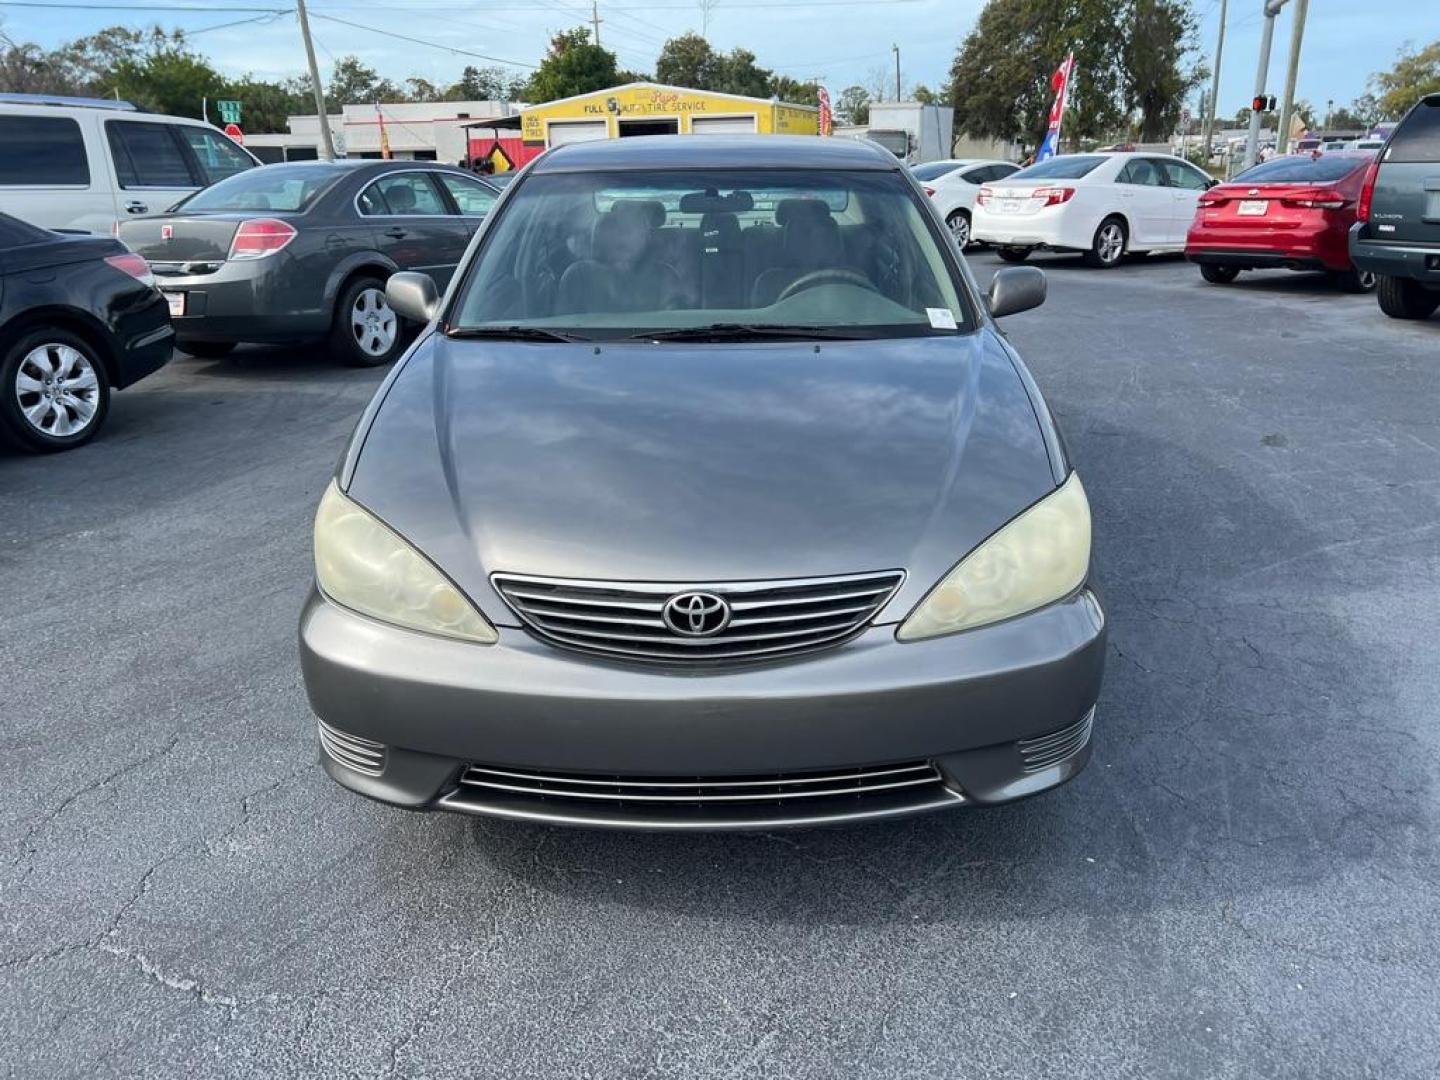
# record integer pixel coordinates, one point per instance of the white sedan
(1104, 205)
(954, 184)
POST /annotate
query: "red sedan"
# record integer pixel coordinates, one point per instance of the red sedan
(1293, 213)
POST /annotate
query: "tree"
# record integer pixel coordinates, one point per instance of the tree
(169, 79)
(1345, 119)
(352, 83)
(924, 95)
(853, 106)
(1416, 73)
(572, 66)
(687, 60)
(797, 93)
(267, 105)
(1161, 34)
(485, 84)
(1129, 56)
(1366, 109)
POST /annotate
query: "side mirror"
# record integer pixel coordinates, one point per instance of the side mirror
(1017, 288)
(412, 296)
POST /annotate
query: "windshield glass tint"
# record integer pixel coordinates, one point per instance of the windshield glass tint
(1301, 169)
(273, 187)
(608, 255)
(1066, 167)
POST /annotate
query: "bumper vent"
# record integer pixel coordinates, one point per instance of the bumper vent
(737, 621)
(1050, 750)
(362, 755)
(701, 802)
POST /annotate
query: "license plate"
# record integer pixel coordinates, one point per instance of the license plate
(1253, 207)
(1012, 206)
(177, 304)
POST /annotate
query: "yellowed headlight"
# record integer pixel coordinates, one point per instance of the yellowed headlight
(1036, 559)
(361, 564)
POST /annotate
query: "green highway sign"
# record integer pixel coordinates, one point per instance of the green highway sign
(229, 111)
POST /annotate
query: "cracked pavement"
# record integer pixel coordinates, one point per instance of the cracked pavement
(1244, 883)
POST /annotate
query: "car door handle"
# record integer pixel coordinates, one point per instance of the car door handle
(395, 232)
(136, 207)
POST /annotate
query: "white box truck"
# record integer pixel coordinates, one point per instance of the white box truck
(912, 131)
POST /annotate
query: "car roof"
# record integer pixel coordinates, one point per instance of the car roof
(717, 152)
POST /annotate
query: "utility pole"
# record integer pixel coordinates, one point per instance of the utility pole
(327, 144)
(595, 19)
(1252, 142)
(1329, 108)
(1287, 103)
(1214, 86)
(896, 50)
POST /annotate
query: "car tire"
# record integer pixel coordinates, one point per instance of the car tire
(1219, 275)
(365, 332)
(1107, 247)
(1014, 254)
(959, 225)
(1402, 298)
(1352, 280)
(206, 350)
(54, 392)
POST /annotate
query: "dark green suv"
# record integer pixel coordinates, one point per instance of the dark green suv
(1397, 234)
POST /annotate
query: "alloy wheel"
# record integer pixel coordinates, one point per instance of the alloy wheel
(1110, 244)
(58, 390)
(960, 230)
(373, 323)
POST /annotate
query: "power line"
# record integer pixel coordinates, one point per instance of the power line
(141, 7)
(236, 22)
(422, 41)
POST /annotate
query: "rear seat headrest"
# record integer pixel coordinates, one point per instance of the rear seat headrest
(789, 210)
(650, 211)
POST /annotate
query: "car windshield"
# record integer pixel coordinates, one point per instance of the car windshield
(824, 254)
(271, 187)
(935, 169)
(1065, 167)
(1301, 169)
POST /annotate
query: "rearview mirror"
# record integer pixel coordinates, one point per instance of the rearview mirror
(1017, 288)
(412, 296)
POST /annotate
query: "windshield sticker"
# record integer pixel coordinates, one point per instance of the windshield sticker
(941, 318)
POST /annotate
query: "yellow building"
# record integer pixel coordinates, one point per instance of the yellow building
(651, 109)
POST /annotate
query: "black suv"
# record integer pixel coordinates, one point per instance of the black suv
(1397, 234)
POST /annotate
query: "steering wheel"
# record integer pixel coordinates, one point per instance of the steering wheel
(833, 276)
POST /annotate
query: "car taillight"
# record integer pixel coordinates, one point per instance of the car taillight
(984, 195)
(1367, 192)
(1321, 200)
(1053, 196)
(929, 191)
(260, 237)
(1212, 200)
(133, 265)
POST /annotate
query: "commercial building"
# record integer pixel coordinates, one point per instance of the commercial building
(419, 131)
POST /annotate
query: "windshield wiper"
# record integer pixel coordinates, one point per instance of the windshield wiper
(727, 331)
(512, 333)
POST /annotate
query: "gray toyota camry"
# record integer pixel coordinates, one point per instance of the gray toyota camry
(710, 497)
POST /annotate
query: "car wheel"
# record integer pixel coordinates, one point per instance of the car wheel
(959, 225)
(366, 331)
(1014, 254)
(1107, 247)
(1352, 280)
(54, 393)
(1219, 275)
(207, 350)
(1401, 298)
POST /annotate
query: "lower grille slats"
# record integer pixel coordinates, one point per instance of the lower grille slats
(763, 619)
(1046, 751)
(695, 801)
(362, 755)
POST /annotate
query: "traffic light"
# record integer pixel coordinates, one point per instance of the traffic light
(1262, 104)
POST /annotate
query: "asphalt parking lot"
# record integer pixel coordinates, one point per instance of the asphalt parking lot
(1245, 883)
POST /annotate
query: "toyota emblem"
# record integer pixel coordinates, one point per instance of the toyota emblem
(696, 614)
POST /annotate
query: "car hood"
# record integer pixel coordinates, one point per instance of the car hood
(702, 462)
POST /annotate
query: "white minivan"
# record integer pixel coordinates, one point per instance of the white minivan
(82, 164)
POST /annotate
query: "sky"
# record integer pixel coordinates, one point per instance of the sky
(845, 41)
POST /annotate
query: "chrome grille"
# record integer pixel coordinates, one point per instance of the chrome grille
(768, 619)
(362, 755)
(699, 801)
(1048, 750)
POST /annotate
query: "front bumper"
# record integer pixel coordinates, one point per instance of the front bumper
(978, 706)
